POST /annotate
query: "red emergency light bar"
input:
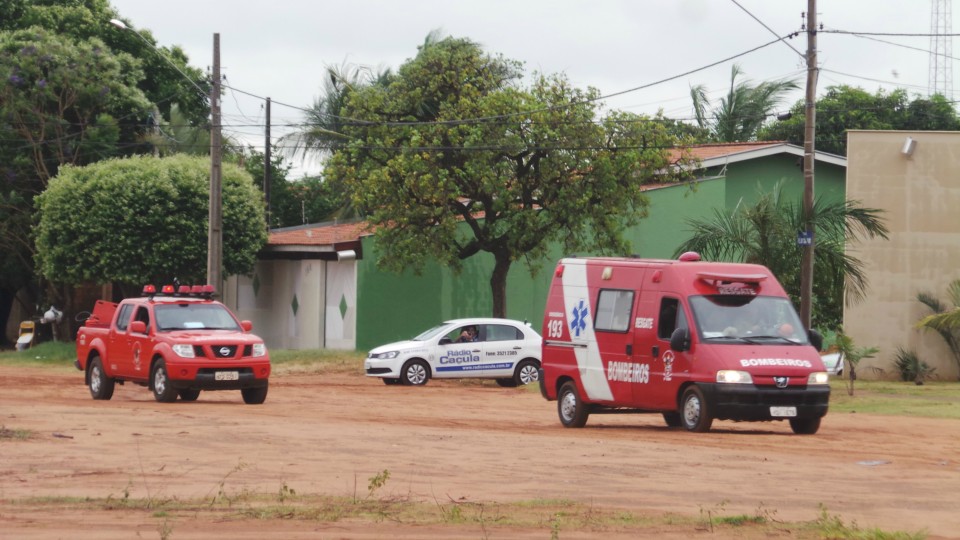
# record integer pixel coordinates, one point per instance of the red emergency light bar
(197, 291)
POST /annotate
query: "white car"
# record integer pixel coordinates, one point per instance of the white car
(501, 349)
(833, 363)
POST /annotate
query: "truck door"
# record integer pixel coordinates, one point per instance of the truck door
(614, 335)
(119, 347)
(669, 368)
(140, 345)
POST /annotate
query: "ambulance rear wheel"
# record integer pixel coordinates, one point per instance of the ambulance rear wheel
(805, 426)
(101, 386)
(572, 410)
(695, 412)
(527, 372)
(163, 391)
(415, 373)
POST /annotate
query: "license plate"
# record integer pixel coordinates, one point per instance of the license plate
(780, 412)
(227, 376)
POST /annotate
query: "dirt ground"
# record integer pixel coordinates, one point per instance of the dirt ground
(447, 441)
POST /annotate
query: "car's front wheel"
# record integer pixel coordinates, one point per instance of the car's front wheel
(415, 373)
(163, 391)
(254, 396)
(805, 426)
(695, 412)
(189, 394)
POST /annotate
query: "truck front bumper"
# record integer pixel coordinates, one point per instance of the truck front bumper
(750, 402)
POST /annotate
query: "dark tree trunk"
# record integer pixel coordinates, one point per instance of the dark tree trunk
(498, 284)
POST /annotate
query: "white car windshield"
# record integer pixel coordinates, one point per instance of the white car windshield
(432, 333)
(752, 319)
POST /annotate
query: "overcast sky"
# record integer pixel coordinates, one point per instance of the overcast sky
(280, 48)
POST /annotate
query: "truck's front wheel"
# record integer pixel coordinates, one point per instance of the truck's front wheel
(101, 386)
(805, 426)
(572, 410)
(254, 396)
(162, 390)
(695, 411)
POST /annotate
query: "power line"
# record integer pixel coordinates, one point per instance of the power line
(754, 17)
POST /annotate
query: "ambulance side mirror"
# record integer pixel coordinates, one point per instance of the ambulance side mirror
(816, 340)
(680, 339)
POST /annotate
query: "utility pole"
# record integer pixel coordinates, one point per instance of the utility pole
(807, 238)
(215, 220)
(266, 165)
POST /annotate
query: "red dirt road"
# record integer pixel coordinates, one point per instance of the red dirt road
(329, 434)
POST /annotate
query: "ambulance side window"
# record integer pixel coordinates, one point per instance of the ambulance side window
(613, 310)
(671, 317)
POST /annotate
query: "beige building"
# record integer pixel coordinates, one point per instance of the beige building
(914, 176)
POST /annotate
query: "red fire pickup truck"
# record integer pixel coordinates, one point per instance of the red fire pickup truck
(176, 343)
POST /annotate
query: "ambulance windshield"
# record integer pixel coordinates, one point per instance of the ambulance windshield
(747, 319)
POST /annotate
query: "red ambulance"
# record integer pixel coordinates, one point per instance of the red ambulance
(693, 340)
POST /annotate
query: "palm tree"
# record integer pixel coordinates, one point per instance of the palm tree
(945, 319)
(765, 233)
(744, 109)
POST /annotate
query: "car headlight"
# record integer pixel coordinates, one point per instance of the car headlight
(184, 350)
(734, 377)
(259, 349)
(818, 377)
(385, 355)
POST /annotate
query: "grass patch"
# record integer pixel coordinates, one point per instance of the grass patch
(930, 400)
(555, 518)
(50, 353)
(7, 434)
(317, 361)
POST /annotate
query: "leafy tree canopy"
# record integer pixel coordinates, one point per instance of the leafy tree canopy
(539, 166)
(845, 107)
(144, 219)
(765, 233)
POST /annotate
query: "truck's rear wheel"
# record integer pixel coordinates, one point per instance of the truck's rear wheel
(572, 410)
(805, 426)
(254, 396)
(695, 412)
(162, 390)
(189, 394)
(415, 373)
(527, 372)
(101, 386)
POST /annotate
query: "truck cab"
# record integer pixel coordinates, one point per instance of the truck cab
(692, 340)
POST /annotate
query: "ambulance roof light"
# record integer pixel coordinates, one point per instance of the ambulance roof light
(689, 256)
(559, 271)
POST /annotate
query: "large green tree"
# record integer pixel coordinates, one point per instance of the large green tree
(742, 111)
(144, 220)
(766, 232)
(846, 107)
(454, 158)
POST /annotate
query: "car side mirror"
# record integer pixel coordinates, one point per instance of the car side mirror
(816, 340)
(138, 327)
(246, 325)
(445, 341)
(680, 339)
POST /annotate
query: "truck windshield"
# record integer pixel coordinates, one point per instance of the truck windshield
(190, 316)
(747, 319)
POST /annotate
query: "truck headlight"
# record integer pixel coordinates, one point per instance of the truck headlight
(385, 355)
(818, 377)
(259, 349)
(184, 350)
(729, 376)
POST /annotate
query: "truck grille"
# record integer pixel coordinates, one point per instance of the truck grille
(221, 351)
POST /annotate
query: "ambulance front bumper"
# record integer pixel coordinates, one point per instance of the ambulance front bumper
(750, 402)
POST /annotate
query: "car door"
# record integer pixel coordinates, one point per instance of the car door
(502, 346)
(459, 353)
(119, 346)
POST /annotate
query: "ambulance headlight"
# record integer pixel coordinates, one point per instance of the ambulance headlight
(184, 350)
(818, 377)
(728, 376)
(385, 355)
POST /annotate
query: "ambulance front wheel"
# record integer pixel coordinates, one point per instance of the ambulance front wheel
(415, 373)
(572, 410)
(695, 411)
(805, 426)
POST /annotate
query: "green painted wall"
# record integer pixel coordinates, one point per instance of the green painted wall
(391, 307)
